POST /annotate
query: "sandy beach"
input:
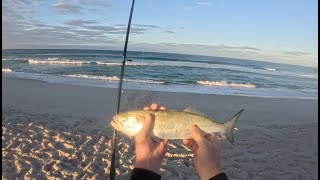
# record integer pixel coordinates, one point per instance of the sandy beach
(63, 131)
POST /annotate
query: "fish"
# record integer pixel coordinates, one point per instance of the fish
(171, 124)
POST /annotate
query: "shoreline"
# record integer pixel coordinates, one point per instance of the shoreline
(40, 96)
(58, 131)
(163, 91)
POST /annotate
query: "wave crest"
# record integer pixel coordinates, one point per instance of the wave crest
(109, 63)
(309, 75)
(34, 61)
(269, 69)
(226, 84)
(114, 78)
(77, 62)
(6, 70)
(127, 63)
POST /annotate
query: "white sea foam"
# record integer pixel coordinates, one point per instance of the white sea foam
(114, 78)
(6, 70)
(148, 81)
(54, 59)
(77, 62)
(269, 69)
(140, 64)
(127, 63)
(108, 63)
(132, 63)
(14, 59)
(226, 84)
(309, 75)
(34, 61)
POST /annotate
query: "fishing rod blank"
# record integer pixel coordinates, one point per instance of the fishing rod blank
(114, 140)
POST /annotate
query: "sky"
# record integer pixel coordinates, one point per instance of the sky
(283, 31)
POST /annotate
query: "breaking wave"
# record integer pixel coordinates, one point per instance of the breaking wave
(55, 61)
(114, 78)
(77, 62)
(309, 75)
(15, 59)
(269, 69)
(6, 70)
(60, 61)
(226, 84)
(265, 68)
(109, 63)
(127, 63)
(55, 58)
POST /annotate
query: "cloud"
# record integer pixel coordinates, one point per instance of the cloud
(197, 4)
(169, 31)
(202, 49)
(67, 8)
(102, 28)
(117, 29)
(24, 28)
(295, 53)
(79, 22)
(204, 3)
(149, 26)
(96, 3)
(59, 35)
(245, 48)
(111, 29)
(15, 10)
(77, 6)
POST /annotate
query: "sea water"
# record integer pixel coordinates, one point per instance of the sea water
(162, 72)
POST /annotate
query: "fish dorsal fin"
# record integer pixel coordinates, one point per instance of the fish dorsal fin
(194, 111)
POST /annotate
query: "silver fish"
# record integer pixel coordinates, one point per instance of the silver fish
(173, 124)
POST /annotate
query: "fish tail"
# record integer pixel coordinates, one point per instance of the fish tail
(229, 126)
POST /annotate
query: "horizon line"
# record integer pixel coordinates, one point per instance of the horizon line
(159, 52)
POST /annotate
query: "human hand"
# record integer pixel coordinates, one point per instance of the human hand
(206, 149)
(149, 153)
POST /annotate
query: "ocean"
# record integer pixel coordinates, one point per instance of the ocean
(162, 72)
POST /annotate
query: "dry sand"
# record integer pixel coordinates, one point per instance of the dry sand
(56, 131)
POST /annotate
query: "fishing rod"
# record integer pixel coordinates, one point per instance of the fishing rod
(114, 140)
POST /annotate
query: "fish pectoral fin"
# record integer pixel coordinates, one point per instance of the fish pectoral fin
(194, 111)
